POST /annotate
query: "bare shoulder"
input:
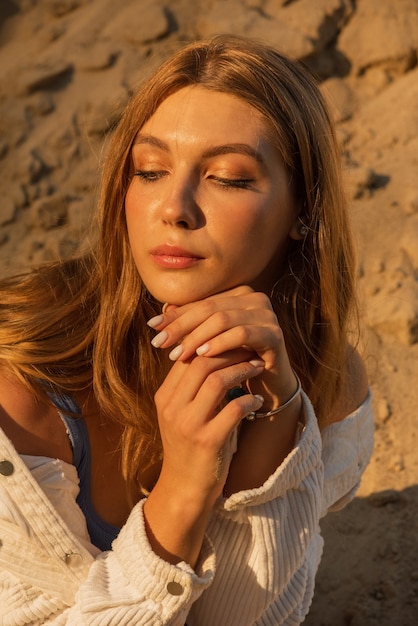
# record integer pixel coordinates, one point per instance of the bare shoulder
(33, 426)
(354, 389)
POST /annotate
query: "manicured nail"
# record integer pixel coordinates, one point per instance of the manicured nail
(164, 308)
(260, 398)
(257, 363)
(202, 349)
(159, 339)
(155, 321)
(175, 353)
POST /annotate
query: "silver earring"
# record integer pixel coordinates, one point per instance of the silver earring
(303, 230)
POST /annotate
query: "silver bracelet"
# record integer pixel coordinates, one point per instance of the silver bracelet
(256, 415)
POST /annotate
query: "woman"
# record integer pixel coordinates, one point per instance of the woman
(163, 371)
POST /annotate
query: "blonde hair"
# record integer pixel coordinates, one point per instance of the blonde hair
(96, 333)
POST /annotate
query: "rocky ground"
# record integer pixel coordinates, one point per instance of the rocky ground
(66, 69)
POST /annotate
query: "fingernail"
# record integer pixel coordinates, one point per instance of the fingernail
(257, 363)
(165, 305)
(159, 339)
(202, 349)
(175, 353)
(260, 398)
(155, 321)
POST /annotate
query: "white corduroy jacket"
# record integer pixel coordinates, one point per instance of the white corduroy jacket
(256, 568)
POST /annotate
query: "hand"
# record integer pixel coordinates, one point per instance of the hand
(235, 319)
(198, 442)
(197, 428)
(221, 342)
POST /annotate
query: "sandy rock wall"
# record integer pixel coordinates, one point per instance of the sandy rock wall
(67, 67)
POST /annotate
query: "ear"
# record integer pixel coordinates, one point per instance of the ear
(299, 230)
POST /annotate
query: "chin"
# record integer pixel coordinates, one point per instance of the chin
(174, 296)
(180, 296)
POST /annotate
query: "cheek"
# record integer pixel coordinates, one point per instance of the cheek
(260, 228)
(263, 235)
(141, 205)
(134, 209)
(132, 198)
(129, 204)
(134, 222)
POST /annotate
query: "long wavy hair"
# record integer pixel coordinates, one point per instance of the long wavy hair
(82, 323)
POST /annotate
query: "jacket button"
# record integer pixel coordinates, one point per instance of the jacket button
(72, 558)
(175, 588)
(6, 468)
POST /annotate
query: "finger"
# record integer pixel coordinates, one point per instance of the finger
(185, 379)
(209, 317)
(216, 385)
(265, 343)
(202, 309)
(257, 331)
(168, 307)
(215, 335)
(227, 420)
(204, 382)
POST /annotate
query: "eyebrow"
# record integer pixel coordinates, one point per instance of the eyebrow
(234, 148)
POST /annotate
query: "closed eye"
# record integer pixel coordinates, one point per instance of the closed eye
(234, 183)
(150, 176)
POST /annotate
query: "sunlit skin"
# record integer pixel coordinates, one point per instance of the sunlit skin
(210, 213)
(209, 206)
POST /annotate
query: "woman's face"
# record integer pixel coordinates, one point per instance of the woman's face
(209, 206)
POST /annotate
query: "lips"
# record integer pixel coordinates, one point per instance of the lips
(174, 257)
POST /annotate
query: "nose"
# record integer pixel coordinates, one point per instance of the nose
(180, 207)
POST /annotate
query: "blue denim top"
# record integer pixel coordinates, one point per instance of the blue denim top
(101, 533)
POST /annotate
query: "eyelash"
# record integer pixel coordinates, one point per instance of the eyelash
(150, 176)
(234, 183)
